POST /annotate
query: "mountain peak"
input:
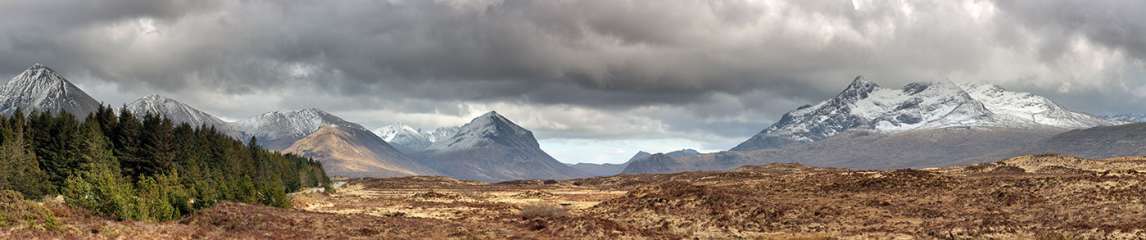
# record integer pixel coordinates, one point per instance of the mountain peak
(860, 88)
(154, 97)
(493, 121)
(486, 129)
(39, 67)
(492, 115)
(177, 111)
(42, 73)
(40, 88)
(312, 110)
(641, 155)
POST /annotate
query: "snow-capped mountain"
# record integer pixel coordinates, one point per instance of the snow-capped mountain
(864, 105)
(40, 88)
(278, 130)
(410, 139)
(487, 129)
(177, 111)
(1125, 117)
(493, 148)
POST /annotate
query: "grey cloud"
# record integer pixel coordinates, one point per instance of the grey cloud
(723, 69)
(1116, 24)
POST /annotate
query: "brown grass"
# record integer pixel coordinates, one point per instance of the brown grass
(541, 210)
(16, 212)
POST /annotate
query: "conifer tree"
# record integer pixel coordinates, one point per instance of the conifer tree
(19, 169)
(130, 168)
(127, 146)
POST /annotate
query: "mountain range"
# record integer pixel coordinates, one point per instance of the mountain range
(864, 105)
(864, 126)
(489, 148)
(926, 124)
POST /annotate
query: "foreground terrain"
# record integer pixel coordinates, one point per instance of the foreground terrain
(1037, 197)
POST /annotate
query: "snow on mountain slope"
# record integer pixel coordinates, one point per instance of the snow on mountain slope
(1125, 117)
(278, 130)
(410, 139)
(40, 88)
(491, 128)
(1025, 109)
(493, 148)
(867, 106)
(177, 111)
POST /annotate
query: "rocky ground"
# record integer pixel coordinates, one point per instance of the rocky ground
(1032, 197)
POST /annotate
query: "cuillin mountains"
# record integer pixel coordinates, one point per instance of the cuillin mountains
(864, 105)
(927, 124)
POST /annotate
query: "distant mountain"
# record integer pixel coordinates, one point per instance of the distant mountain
(493, 148)
(609, 169)
(412, 140)
(1098, 142)
(866, 126)
(683, 153)
(278, 130)
(1126, 117)
(179, 113)
(40, 88)
(599, 169)
(868, 150)
(864, 105)
(644, 162)
(354, 152)
(640, 155)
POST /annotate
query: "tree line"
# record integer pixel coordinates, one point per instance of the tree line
(143, 167)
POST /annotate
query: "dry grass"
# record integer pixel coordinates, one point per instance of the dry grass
(541, 210)
(1035, 197)
(16, 212)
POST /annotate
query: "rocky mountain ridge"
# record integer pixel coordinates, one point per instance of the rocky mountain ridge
(864, 105)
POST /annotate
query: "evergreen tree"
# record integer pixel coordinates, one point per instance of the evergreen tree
(130, 168)
(127, 146)
(157, 151)
(19, 169)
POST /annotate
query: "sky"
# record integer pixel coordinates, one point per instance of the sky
(595, 80)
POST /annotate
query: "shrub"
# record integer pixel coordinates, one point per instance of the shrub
(15, 211)
(104, 192)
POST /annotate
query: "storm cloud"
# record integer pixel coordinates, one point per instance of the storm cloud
(710, 72)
